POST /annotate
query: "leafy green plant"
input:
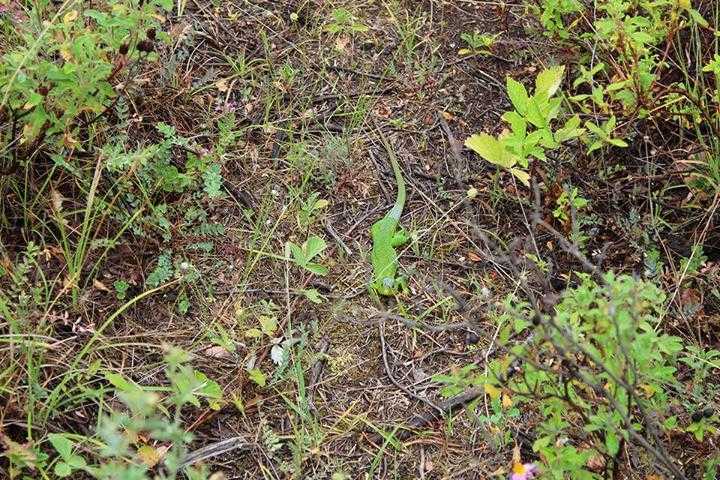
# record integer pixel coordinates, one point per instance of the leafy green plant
(531, 126)
(117, 450)
(62, 70)
(598, 364)
(603, 134)
(478, 43)
(304, 254)
(121, 288)
(310, 209)
(568, 199)
(644, 63)
(342, 21)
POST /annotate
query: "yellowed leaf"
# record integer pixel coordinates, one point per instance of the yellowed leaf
(66, 54)
(149, 455)
(506, 401)
(492, 391)
(70, 17)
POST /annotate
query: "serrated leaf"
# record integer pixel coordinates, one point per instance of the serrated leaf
(148, 455)
(268, 325)
(317, 269)
(518, 95)
(61, 444)
(258, 377)
(76, 461)
(548, 81)
(297, 253)
(491, 149)
(313, 295)
(313, 247)
(253, 333)
(62, 470)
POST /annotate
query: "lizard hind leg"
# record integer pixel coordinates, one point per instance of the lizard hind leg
(400, 238)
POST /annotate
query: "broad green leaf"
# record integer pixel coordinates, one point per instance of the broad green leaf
(76, 461)
(548, 81)
(166, 5)
(62, 469)
(491, 149)
(209, 388)
(317, 269)
(517, 123)
(297, 254)
(570, 130)
(518, 95)
(695, 15)
(120, 382)
(612, 443)
(61, 444)
(595, 129)
(313, 247)
(535, 112)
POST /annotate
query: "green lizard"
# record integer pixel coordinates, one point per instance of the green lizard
(386, 236)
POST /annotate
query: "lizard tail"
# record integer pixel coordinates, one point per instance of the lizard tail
(397, 208)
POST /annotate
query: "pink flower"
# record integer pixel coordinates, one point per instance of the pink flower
(525, 471)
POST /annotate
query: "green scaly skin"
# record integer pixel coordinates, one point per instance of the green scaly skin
(386, 237)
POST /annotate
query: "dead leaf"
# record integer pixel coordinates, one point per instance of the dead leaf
(596, 463)
(341, 43)
(56, 199)
(217, 351)
(100, 285)
(474, 257)
(222, 85)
